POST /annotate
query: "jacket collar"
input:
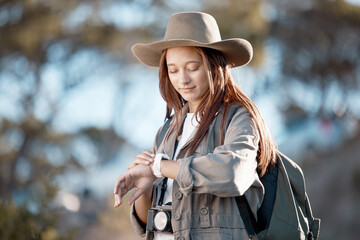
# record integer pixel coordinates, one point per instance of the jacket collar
(169, 146)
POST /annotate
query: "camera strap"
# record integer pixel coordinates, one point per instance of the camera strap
(162, 192)
(165, 180)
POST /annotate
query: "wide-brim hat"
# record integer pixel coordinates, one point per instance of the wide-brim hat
(194, 29)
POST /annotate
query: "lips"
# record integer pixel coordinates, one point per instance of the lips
(187, 89)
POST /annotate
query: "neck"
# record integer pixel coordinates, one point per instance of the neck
(192, 107)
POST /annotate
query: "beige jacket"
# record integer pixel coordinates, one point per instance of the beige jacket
(204, 205)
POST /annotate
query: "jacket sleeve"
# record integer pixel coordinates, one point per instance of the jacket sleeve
(230, 169)
(136, 223)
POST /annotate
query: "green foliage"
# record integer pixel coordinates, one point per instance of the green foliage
(36, 219)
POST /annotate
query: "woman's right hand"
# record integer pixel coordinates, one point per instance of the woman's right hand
(144, 158)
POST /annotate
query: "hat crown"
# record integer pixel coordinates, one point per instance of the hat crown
(196, 26)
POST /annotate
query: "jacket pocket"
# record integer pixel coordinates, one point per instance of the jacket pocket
(211, 234)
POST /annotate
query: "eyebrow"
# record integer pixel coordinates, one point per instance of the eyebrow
(192, 61)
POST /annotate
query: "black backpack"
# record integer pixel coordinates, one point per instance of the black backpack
(285, 212)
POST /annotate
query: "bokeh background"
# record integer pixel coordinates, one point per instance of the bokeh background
(76, 106)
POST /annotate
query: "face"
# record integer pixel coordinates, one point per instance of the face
(187, 74)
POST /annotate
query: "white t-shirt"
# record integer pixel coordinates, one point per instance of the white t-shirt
(190, 124)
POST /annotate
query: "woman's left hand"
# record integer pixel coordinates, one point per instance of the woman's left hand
(144, 158)
(139, 177)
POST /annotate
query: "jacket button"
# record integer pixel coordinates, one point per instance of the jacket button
(204, 211)
(178, 195)
(177, 216)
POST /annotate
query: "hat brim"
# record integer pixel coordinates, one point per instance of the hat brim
(237, 51)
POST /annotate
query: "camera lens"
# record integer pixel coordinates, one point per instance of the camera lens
(161, 220)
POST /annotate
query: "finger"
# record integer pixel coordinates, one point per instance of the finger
(145, 156)
(118, 183)
(135, 196)
(117, 201)
(123, 190)
(142, 161)
(120, 192)
(149, 153)
(131, 165)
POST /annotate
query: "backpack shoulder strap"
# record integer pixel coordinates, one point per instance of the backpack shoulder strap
(247, 216)
(163, 131)
(243, 206)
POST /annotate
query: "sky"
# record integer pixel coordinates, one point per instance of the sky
(355, 2)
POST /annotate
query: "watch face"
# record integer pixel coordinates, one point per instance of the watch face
(161, 220)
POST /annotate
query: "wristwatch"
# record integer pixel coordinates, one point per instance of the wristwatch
(155, 166)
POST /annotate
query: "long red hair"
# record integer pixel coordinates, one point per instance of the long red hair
(222, 91)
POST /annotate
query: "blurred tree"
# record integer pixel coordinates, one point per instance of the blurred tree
(37, 36)
(243, 19)
(319, 45)
(309, 50)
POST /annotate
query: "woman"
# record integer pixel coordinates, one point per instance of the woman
(217, 144)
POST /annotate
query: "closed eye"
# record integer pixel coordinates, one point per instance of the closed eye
(193, 69)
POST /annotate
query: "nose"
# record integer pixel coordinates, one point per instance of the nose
(184, 78)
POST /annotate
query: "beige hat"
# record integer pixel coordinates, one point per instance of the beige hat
(194, 29)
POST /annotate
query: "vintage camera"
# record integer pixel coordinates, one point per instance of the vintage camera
(159, 219)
